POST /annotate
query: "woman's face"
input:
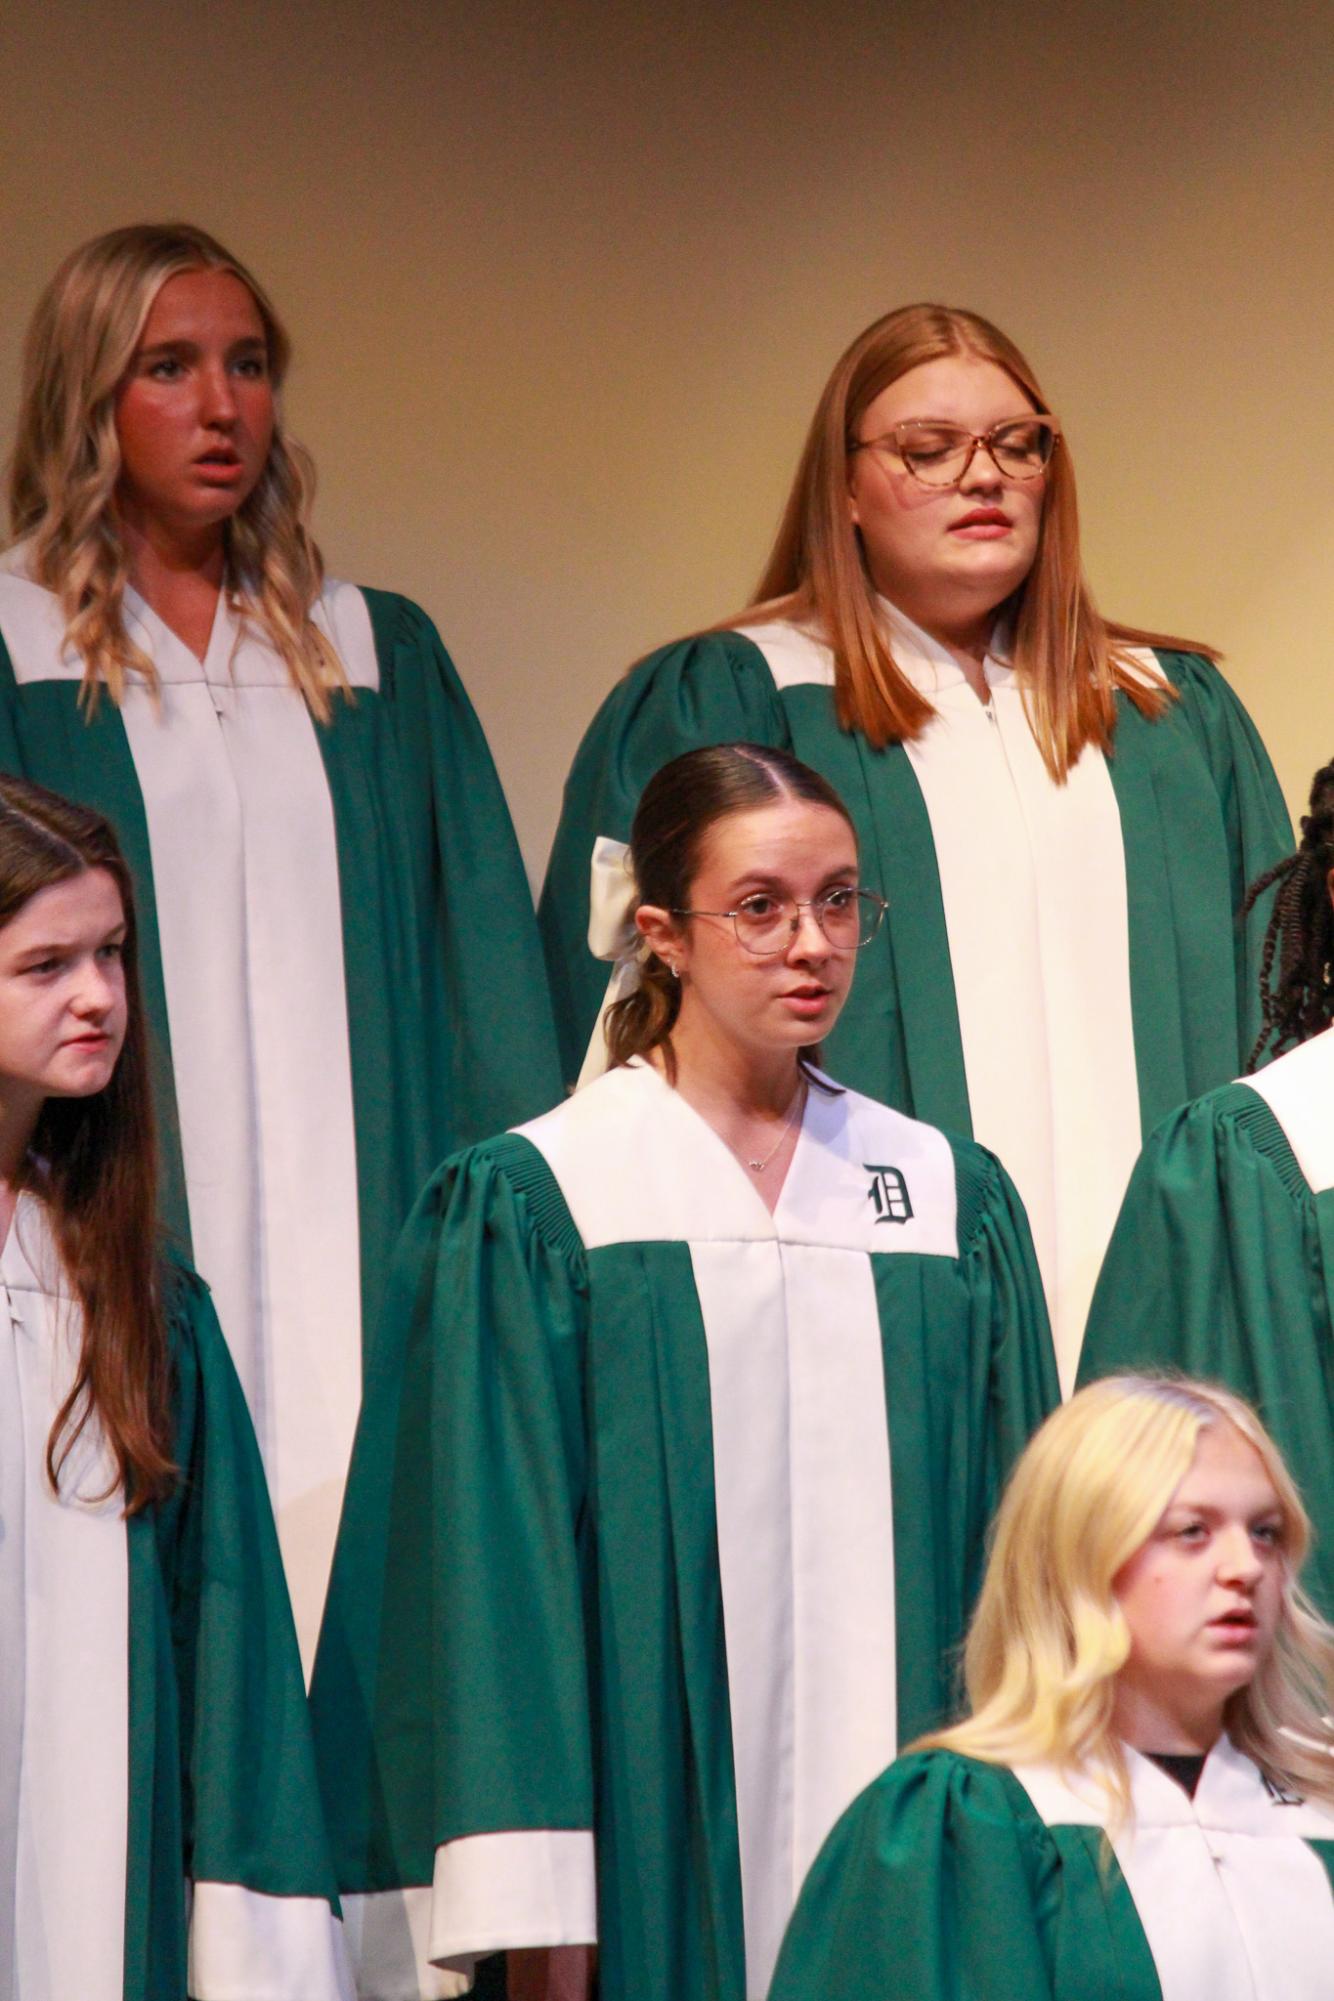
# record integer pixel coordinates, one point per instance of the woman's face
(194, 414)
(787, 999)
(62, 992)
(1202, 1597)
(945, 555)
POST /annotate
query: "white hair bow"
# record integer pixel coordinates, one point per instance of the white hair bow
(613, 898)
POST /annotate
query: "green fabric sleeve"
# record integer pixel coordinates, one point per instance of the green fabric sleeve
(1215, 1269)
(488, 959)
(1259, 832)
(1009, 1304)
(252, 1811)
(938, 1884)
(712, 689)
(451, 1691)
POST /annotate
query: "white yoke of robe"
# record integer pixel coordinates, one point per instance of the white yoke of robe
(1298, 1088)
(1033, 882)
(245, 873)
(1234, 1904)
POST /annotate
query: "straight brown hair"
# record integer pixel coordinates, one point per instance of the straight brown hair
(93, 1164)
(682, 800)
(1070, 661)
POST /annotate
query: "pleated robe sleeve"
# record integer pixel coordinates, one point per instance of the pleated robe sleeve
(713, 689)
(486, 956)
(451, 1689)
(938, 1884)
(1009, 1308)
(1216, 1268)
(256, 1857)
(1255, 817)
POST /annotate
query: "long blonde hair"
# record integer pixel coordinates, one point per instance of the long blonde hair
(1070, 661)
(1049, 1637)
(66, 463)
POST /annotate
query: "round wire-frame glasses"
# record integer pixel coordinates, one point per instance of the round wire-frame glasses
(939, 454)
(767, 924)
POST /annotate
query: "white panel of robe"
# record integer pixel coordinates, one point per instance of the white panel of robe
(245, 869)
(1234, 1904)
(1032, 877)
(800, 1443)
(64, 1599)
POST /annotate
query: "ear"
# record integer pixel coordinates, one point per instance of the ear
(661, 933)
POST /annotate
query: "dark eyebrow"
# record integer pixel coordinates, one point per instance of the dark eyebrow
(758, 879)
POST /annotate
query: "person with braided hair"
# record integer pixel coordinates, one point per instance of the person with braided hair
(1222, 1260)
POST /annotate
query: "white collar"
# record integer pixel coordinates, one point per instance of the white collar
(929, 665)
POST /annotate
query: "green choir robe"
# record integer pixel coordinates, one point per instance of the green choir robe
(953, 1880)
(158, 1798)
(1059, 966)
(664, 1520)
(1222, 1265)
(341, 967)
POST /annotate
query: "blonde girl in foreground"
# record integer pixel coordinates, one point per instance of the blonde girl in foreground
(1141, 1801)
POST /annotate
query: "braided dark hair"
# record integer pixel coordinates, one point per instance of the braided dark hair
(1300, 933)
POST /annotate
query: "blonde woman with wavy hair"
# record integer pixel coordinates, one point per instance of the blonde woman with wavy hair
(339, 957)
(1140, 1802)
(1063, 811)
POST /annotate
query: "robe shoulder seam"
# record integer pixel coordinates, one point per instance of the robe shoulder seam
(976, 1176)
(524, 1167)
(1250, 1115)
(727, 638)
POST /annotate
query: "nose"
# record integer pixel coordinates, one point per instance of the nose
(981, 474)
(808, 940)
(99, 989)
(217, 395)
(1239, 1561)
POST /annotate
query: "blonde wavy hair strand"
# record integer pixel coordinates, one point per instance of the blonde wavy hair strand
(1049, 1637)
(66, 462)
(1070, 661)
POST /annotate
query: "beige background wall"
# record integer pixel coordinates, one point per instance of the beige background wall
(565, 282)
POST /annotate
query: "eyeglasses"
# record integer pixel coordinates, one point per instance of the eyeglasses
(940, 454)
(849, 918)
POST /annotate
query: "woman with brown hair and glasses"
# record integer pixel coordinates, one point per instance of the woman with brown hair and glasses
(340, 958)
(158, 1798)
(686, 1419)
(1063, 812)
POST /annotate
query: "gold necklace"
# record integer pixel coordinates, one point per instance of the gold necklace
(798, 1100)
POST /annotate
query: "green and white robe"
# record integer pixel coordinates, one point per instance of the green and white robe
(1222, 1265)
(1059, 966)
(953, 1880)
(341, 967)
(158, 1796)
(664, 1520)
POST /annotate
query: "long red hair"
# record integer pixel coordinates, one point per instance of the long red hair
(1070, 661)
(93, 1163)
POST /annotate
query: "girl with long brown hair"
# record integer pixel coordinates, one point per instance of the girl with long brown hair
(688, 1414)
(340, 959)
(1061, 811)
(153, 1732)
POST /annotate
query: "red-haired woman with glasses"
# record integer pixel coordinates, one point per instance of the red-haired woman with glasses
(1062, 812)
